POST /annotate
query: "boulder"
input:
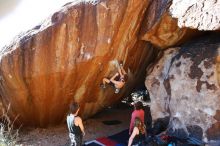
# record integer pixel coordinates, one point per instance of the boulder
(197, 14)
(185, 83)
(65, 58)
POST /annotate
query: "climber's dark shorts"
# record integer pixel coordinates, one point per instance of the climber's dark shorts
(112, 84)
(117, 79)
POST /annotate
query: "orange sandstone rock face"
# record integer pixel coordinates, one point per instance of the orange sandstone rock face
(165, 32)
(161, 29)
(65, 58)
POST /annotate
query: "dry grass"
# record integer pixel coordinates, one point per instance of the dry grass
(8, 134)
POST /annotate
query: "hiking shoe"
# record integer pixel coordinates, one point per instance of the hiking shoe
(102, 86)
(117, 91)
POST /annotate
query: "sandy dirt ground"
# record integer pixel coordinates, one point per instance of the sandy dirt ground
(94, 128)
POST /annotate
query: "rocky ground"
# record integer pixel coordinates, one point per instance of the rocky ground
(58, 136)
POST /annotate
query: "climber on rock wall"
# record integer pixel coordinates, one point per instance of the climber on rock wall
(118, 80)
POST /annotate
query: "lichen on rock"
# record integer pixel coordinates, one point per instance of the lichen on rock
(184, 83)
(197, 14)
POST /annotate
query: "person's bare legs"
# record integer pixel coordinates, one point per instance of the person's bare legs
(113, 78)
(104, 81)
(107, 81)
